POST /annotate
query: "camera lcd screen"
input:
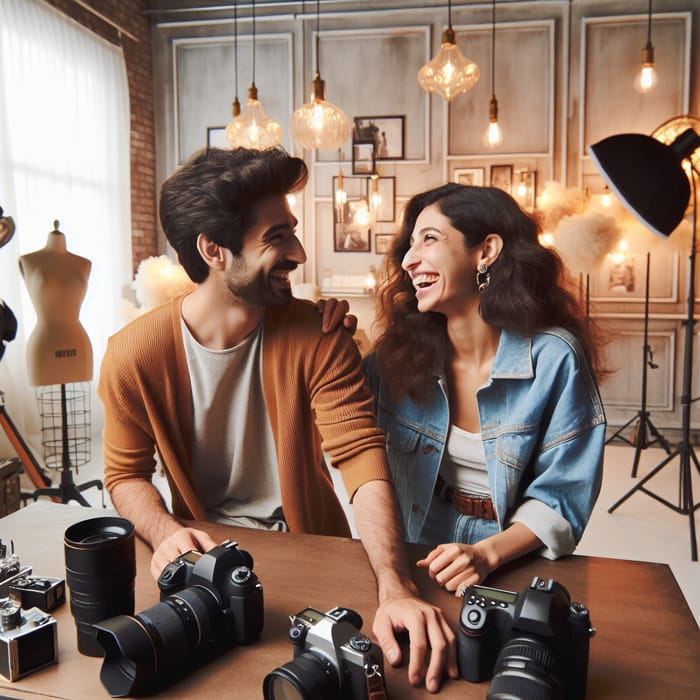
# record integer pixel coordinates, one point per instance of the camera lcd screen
(311, 615)
(497, 594)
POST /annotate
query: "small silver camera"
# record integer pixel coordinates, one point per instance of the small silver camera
(28, 640)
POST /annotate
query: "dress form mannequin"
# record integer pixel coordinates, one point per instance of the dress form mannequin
(59, 353)
(58, 349)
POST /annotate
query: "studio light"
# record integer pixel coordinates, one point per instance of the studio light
(648, 177)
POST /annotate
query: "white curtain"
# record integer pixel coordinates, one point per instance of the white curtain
(64, 155)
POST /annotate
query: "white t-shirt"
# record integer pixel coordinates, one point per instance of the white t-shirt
(233, 455)
(464, 466)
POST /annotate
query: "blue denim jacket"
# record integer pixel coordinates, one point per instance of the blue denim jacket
(543, 432)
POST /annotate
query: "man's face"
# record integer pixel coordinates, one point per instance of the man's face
(271, 250)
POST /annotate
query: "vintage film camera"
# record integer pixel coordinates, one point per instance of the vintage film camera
(43, 592)
(10, 568)
(332, 659)
(533, 643)
(28, 640)
(209, 603)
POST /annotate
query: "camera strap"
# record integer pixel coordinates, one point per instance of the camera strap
(376, 689)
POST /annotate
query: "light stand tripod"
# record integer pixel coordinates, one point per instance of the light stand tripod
(684, 451)
(644, 425)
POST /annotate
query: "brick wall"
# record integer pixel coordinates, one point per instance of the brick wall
(129, 15)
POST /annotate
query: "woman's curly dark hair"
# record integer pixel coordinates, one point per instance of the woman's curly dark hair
(530, 288)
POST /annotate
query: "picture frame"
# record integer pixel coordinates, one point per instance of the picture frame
(469, 176)
(386, 188)
(216, 137)
(350, 235)
(387, 132)
(383, 242)
(524, 188)
(502, 177)
(364, 157)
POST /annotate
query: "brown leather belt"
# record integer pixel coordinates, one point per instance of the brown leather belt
(463, 504)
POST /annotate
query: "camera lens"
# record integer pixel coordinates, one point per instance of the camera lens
(307, 677)
(525, 669)
(100, 571)
(141, 649)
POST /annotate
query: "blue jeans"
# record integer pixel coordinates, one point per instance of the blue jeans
(445, 524)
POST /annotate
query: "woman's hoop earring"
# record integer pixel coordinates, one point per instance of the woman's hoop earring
(483, 278)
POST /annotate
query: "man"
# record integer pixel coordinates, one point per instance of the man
(239, 392)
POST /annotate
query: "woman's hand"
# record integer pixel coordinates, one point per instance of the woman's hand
(456, 566)
(336, 313)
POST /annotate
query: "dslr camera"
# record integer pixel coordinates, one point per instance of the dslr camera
(45, 593)
(209, 602)
(332, 659)
(28, 639)
(532, 644)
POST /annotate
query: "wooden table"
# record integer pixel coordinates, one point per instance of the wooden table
(647, 644)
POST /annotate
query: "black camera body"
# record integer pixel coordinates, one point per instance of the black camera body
(537, 637)
(28, 640)
(43, 592)
(209, 602)
(332, 658)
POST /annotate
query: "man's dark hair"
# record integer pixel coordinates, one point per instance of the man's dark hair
(215, 193)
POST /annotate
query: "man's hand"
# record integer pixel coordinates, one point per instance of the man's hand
(334, 313)
(180, 541)
(431, 639)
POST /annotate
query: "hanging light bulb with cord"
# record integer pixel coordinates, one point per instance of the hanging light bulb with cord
(493, 136)
(255, 129)
(449, 73)
(318, 123)
(646, 78)
(234, 130)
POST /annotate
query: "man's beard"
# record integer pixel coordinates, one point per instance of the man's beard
(258, 290)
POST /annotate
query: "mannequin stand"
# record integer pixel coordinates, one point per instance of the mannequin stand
(644, 425)
(71, 429)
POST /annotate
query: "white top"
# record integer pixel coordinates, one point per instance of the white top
(464, 466)
(233, 456)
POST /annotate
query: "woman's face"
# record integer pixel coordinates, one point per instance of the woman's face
(439, 264)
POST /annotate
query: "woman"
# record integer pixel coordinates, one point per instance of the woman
(483, 378)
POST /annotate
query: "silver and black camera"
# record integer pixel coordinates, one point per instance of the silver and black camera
(43, 592)
(209, 603)
(28, 640)
(10, 568)
(332, 659)
(532, 644)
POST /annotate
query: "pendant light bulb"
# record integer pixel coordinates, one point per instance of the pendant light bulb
(318, 123)
(449, 73)
(647, 78)
(253, 128)
(493, 136)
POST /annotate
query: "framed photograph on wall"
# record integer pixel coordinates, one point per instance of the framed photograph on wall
(216, 137)
(382, 242)
(386, 132)
(364, 158)
(502, 177)
(469, 176)
(351, 216)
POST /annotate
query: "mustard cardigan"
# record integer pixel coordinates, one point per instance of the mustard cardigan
(316, 400)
